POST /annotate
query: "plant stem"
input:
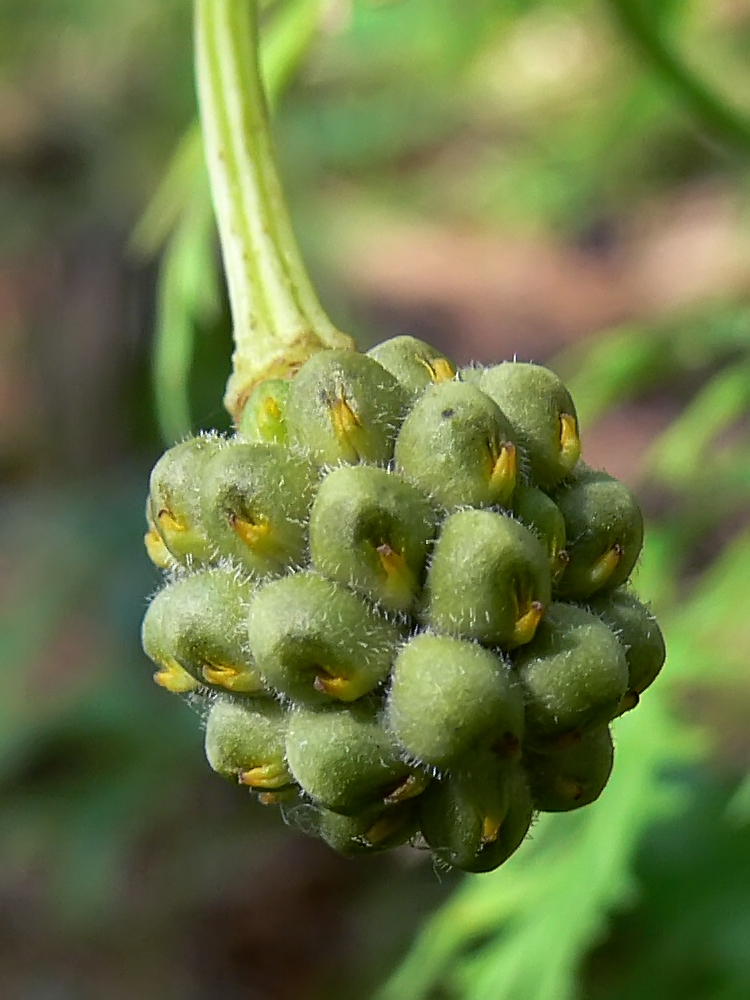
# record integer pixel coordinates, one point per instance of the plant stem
(277, 318)
(724, 121)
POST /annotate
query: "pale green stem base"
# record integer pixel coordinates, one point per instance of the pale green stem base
(278, 320)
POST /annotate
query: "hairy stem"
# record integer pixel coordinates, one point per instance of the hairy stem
(277, 318)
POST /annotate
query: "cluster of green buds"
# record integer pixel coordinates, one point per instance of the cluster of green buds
(401, 599)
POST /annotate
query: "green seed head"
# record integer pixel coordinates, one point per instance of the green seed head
(345, 407)
(604, 527)
(346, 760)
(175, 500)
(372, 530)
(574, 776)
(458, 448)
(448, 697)
(264, 416)
(314, 640)
(538, 512)
(198, 625)
(542, 415)
(574, 674)
(256, 501)
(364, 575)
(414, 363)
(639, 633)
(489, 579)
(245, 743)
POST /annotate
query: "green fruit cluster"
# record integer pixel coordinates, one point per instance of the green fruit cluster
(400, 596)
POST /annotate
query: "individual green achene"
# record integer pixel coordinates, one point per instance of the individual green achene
(372, 530)
(513, 829)
(414, 363)
(574, 674)
(542, 415)
(314, 640)
(489, 580)
(458, 448)
(373, 831)
(255, 504)
(449, 696)
(175, 503)
(573, 776)
(537, 511)
(478, 815)
(264, 416)
(245, 743)
(640, 636)
(197, 626)
(345, 407)
(346, 760)
(604, 526)
(462, 813)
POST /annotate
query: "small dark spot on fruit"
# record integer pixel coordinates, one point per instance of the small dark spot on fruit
(448, 413)
(507, 746)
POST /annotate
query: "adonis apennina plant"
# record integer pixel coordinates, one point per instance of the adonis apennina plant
(396, 589)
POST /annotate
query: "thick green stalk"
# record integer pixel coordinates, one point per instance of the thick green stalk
(278, 320)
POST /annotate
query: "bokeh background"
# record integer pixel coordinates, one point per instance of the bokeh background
(562, 180)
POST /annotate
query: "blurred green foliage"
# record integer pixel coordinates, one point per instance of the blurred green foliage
(536, 119)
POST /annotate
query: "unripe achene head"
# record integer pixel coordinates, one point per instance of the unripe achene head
(360, 593)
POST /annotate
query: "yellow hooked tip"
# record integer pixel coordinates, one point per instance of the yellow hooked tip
(274, 798)
(526, 623)
(629, 701)
(231, 677)
(270, 409)
(503, 470)
(169, 523)
(392, 561)
(381, 829)
(346, 425)
(269, 420)
(440, 369)
(220, 673)
(508, 746)
(570, 739)
(490, 829)
(559, 562)
(157, 551)
(570, 442)
(570, 789)
(175, 678)
(342, 688)
(605, 566)
(400, 579)
(414, 784)
(270, 776)
(252, 533)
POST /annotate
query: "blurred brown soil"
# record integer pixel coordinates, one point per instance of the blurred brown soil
(484, 297)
